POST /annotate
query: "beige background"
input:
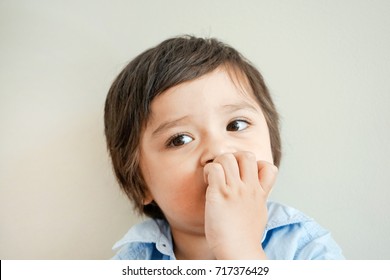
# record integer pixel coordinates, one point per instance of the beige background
(327, 64)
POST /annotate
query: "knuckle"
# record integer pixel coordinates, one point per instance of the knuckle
(249, 156)
(214, 167)
(274, 169)
(245, 155)
(224, 158)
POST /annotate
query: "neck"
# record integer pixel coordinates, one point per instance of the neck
(190, 246)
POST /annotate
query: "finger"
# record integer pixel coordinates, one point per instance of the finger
(230, 167)
(214, 175)
(247, 167)
(267, 175)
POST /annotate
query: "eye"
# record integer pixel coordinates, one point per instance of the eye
(237, 125)
(178, 140)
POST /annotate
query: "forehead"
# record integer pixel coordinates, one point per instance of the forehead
(221, 87)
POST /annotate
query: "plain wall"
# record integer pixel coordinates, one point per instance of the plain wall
(327, 64)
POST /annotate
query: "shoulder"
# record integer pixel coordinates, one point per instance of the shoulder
(147, 240)
(290, 234)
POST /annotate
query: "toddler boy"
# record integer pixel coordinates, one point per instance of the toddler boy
(193, 135)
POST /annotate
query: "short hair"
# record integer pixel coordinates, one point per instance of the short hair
(172, 62)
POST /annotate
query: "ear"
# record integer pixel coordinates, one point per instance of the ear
(148, 198)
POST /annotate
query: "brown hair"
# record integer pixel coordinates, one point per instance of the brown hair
(170, 63)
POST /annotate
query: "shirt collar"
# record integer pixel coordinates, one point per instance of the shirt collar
(158, 231)
(149, 231)
(280, 215)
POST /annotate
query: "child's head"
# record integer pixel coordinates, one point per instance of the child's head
(128, 109)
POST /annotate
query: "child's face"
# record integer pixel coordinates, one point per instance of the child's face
(190, 125)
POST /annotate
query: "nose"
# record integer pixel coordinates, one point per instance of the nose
(214, 146)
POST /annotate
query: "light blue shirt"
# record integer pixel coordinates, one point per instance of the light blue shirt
(289, 235)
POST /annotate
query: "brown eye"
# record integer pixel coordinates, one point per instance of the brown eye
(179, 140)
(237, 125)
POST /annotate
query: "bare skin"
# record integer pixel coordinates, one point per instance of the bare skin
(206, 159)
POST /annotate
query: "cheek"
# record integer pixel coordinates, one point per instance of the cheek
(262, 148)
(175, 184)
(266, 154)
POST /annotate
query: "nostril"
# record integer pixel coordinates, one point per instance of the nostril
(209, 161)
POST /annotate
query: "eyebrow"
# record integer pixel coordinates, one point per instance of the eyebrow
(230, 108)
(168, 124)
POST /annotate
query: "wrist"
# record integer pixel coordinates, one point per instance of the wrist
(253, 253)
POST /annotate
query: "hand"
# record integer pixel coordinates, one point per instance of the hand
(236, 210)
